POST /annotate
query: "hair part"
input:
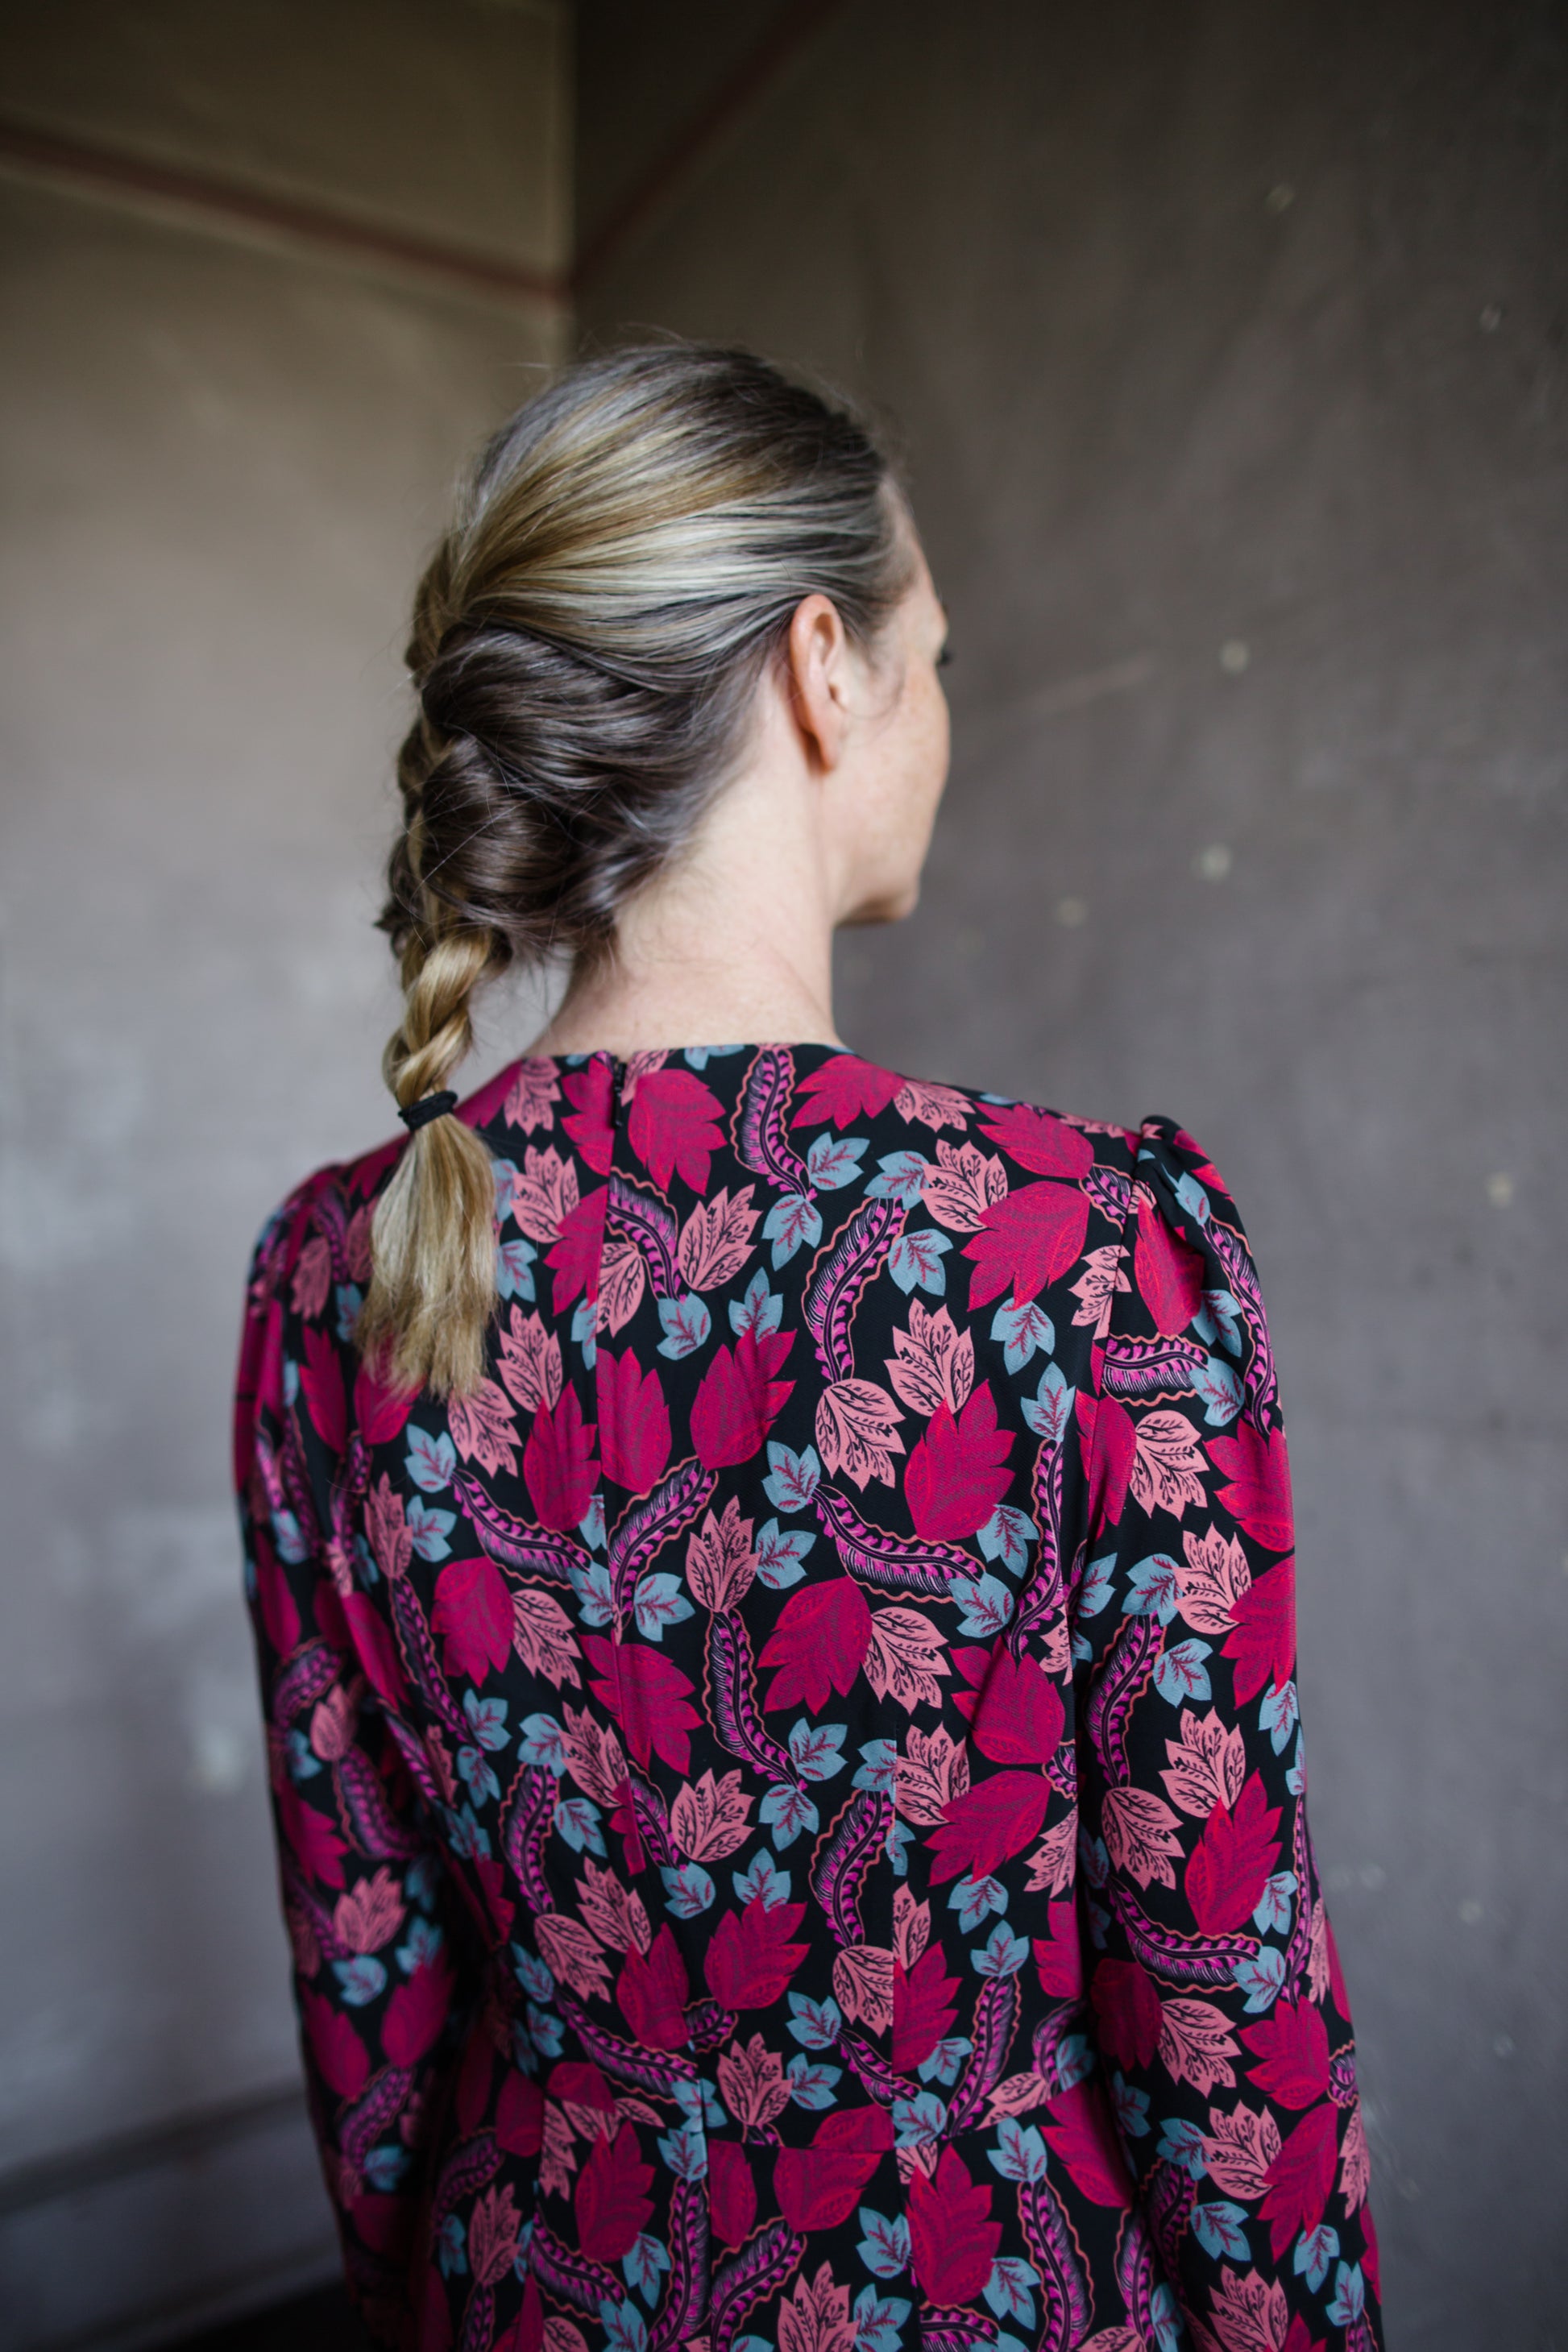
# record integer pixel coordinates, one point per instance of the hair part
(625, 558)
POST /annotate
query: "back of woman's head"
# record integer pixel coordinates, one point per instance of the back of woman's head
(626, 560)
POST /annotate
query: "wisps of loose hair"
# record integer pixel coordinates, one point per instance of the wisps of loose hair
(627, 556)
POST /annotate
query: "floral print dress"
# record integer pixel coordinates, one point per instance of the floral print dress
(789, 1798)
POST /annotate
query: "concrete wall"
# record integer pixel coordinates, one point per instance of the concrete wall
(225, 445)
(1229, 346)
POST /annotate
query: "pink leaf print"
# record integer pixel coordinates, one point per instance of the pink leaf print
(856, 1430)
(912, 1925)
(571, 1954)
(1301, 2178)
(997, 1818)
(1097, 1287)
(370, 1913)
(1257, 1495)
(634, 1422)
(341, 2057)
(381, 1408)
(931, 1364)
(529, 1363)
(1213, 1579)
(752, 2083)
(964, 1187)
(417, 2013)
(1059, 1955)
(313, 1278)
(716, 1239)
(545, 1195)
(623, 1278)
(816, 2316)
(719, 1561)
(311, 1837)
(1031, 1238)
(1108, 1442)
(531, 1097)
(1084, 2137)
(1051, 1864)
(558, 1463)
(1167, 1464)
(493, 2226)
(616, 1914)
(1227, 1869)
(750, 1959)
(542, 1633)
(574, 1261)
(930, 1776)
(1140, 1835)
(1169, 1274)
(391, 1539)
(957, 1473)
(674, 1127)
(732, 2192)
(1196, 2045)
(610, 2202)
(822, 1634)
(905, 1657)
(1126, 2012)
(1264, 1642)
(1238, 2149)
(374, 1648)
(710, 1819)
(932, 1107)
(588, 1090)
(653, 1994)
(594, 1757)
(1292, 2047)
(649, 1695)
(819, 2187)
(1045, 1145)
(1017, 1714)
(472, 1615)
(863, 1985)
(843, 1091)
(739, 1399)
(1249, 2313)
(483, 1430)
(923, 2010)
(1208, 1763)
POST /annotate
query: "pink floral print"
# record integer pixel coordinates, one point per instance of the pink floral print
(789, 1798)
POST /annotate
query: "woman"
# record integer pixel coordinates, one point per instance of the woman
(772, 1579)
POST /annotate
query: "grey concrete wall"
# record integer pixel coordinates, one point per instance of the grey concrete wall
(1229, 346)
(221, 461)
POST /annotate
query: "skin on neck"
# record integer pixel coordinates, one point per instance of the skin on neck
(826, 821)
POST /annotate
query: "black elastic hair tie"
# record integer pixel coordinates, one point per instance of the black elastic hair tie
(428, 1106)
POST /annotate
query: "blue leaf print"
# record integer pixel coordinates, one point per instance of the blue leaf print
(1022, 1328)
(686, 1324)
(1181, 1674)
(884, 2247)
(915, 1260)
(429, 1530)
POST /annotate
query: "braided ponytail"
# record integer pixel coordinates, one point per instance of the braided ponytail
(586, 642)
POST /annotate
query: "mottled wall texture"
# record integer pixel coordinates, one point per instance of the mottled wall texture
(224, 448)
(1228, 345)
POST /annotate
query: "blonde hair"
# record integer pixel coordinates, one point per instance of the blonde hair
(625, 558)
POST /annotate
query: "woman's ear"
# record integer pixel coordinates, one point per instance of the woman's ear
(817, 657)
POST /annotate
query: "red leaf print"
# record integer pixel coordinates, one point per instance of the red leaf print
(610, 2200)
(473, 1617)
(750, 1959)
(1127, 2008)
(646, 1694)
(573, 1257)
(1060, 1956)
(823, 1634)
(819, 2187)
(1082, 2132)
(1030, 1238)
(674, 1125)
(1292, 2046)
(957, 1472)
(653, 1994)
(1107, 1439)
(415, 2014)
(311, 1837)
(739, 1400)
(1264, 1642)
(733, 2193)
(520, 2114)
(996, 1819)
(843, 1089)
(374, 1648)
(380, 1410)
(634, 1422)
(1168, 1273)
(923, 2009)
(342, 2058)
(590, 1125)
(558, 1463)
(1299, 2178)
(1019, 1714)
(1044, 1145)
(322, 1386)
(1259, 1494)
(1227, 1868)
(953, 2237)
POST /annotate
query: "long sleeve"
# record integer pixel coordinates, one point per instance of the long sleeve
(1216, 1999)
(366, 1899)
